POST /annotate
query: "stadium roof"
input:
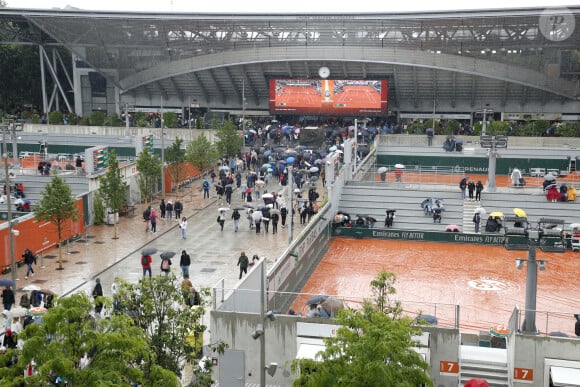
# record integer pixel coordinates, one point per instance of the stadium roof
(510, 56)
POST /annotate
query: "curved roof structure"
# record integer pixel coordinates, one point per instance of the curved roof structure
(514, 59)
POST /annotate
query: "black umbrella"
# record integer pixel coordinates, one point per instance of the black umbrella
(148, 251)
(318, 299)
(240, 208)
(558, 334)
(167, 254)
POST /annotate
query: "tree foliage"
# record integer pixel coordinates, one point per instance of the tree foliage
(175, 331)
(112, 188)
(201, 153)
(149, 167)
(115, 351)
(57, 206)
(229, 140)
(371, 348)
(175, 157)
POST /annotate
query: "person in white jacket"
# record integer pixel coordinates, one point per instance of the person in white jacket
(183, 227)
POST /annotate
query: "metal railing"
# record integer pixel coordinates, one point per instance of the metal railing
(447, 315)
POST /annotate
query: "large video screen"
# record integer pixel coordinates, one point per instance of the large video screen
(328, 96)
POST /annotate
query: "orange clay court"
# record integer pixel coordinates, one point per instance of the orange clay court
(483, 280)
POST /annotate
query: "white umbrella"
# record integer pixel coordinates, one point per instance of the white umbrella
(314, 169)
(338, 151)
(480, 211)
(225, 168)
(382, 169)
(399, 166)
(17, 312)
(549, 177)
(267, 196)
(223, 209)
(31, 287)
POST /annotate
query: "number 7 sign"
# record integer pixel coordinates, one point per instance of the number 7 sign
(448, 367)
(524, 374)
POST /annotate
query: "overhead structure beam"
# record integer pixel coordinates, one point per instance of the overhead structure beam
(466, 65)
(248, 81)
(217, 86)
(397, 88)
(201, 87)
(415, 88)
(453, 89)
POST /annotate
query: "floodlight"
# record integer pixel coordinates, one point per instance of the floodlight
(270, 315)
(258, 332)
(519, 263)
(542, 265)
(272, 368)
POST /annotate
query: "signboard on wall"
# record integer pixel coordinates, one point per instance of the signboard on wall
(328, 96)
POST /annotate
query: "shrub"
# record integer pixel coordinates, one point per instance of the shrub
(170, 120)
(35, 119)
(97, 118)
(55, 117)
(98, 209)
(112, 120)
(72, 119)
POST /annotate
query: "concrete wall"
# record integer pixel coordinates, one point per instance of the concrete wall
(530, 351)
(513, 142)
(186, 134)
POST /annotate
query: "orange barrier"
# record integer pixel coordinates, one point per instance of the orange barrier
(188, 172)
(38, 236)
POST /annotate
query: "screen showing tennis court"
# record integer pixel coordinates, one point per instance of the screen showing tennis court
(328, 96)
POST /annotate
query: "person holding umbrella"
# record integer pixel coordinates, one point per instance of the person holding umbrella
(165, 265)
(8, 298)
(146, 260)
(98, 292)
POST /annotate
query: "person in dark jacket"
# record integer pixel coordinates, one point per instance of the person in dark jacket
(184, 263)
(236, 217)
(283, 214)
(8, 298)
(162, 208)
(10, 340)
(29, 260)
(243, 263)
(98, 292)
(178, 208)
(478, 189)
(577, 325)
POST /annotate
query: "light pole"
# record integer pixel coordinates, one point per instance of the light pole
(9, 204)
(260, 332)
(162, 153)
(484, 111)
(492, 143)
(547, 229)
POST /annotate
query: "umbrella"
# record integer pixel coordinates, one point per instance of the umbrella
(338, 151)
(229, 186)
(476, 383)
(248, 206)
(225, 168)
(6, 282)
(260, 182)
(267, 165)
(47, 291)
(499, 330)
(167, 254)
(267, 196)
(274, 211)
(399, 166)
(318, 161)
(252, 131)
(574, 225)
(438, 209)
(480, 211)
(31, 287)
(17, 312)
(314, 169)
(239, 162)
(549, 177)
(36, 311)
(558, 334)
(148, 251)
(390, 210)
(223, 209)
(270, 170)
(520, 213)
(452, 228)
(494, 214)
(290, 160)
(318, 299)
(240, 208)
(260, 206)
(332, 305)
(427, 318)
(382, 170)
(332, 148)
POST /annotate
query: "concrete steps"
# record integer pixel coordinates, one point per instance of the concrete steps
(469, 207)
(485, 363)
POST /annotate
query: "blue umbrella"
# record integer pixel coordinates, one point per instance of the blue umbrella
(332, 148)
(286, 129)
(427, 318)
(270, 170)
(290, 160)
(267, 153)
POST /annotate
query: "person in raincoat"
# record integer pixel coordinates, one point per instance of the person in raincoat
(515, 177)
(571, 194)
(257, 218)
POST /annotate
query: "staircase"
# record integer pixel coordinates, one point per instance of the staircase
(489, 364)
(469, 207)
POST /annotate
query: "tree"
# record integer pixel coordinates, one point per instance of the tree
(371, 348)
(149, 168)
(57, 206)
(112, 189)
(201, 153)
(229, 140)
(115, 351)
(175, 157)
(174, 330)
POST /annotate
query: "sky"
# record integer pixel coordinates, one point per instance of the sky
(294, 6)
